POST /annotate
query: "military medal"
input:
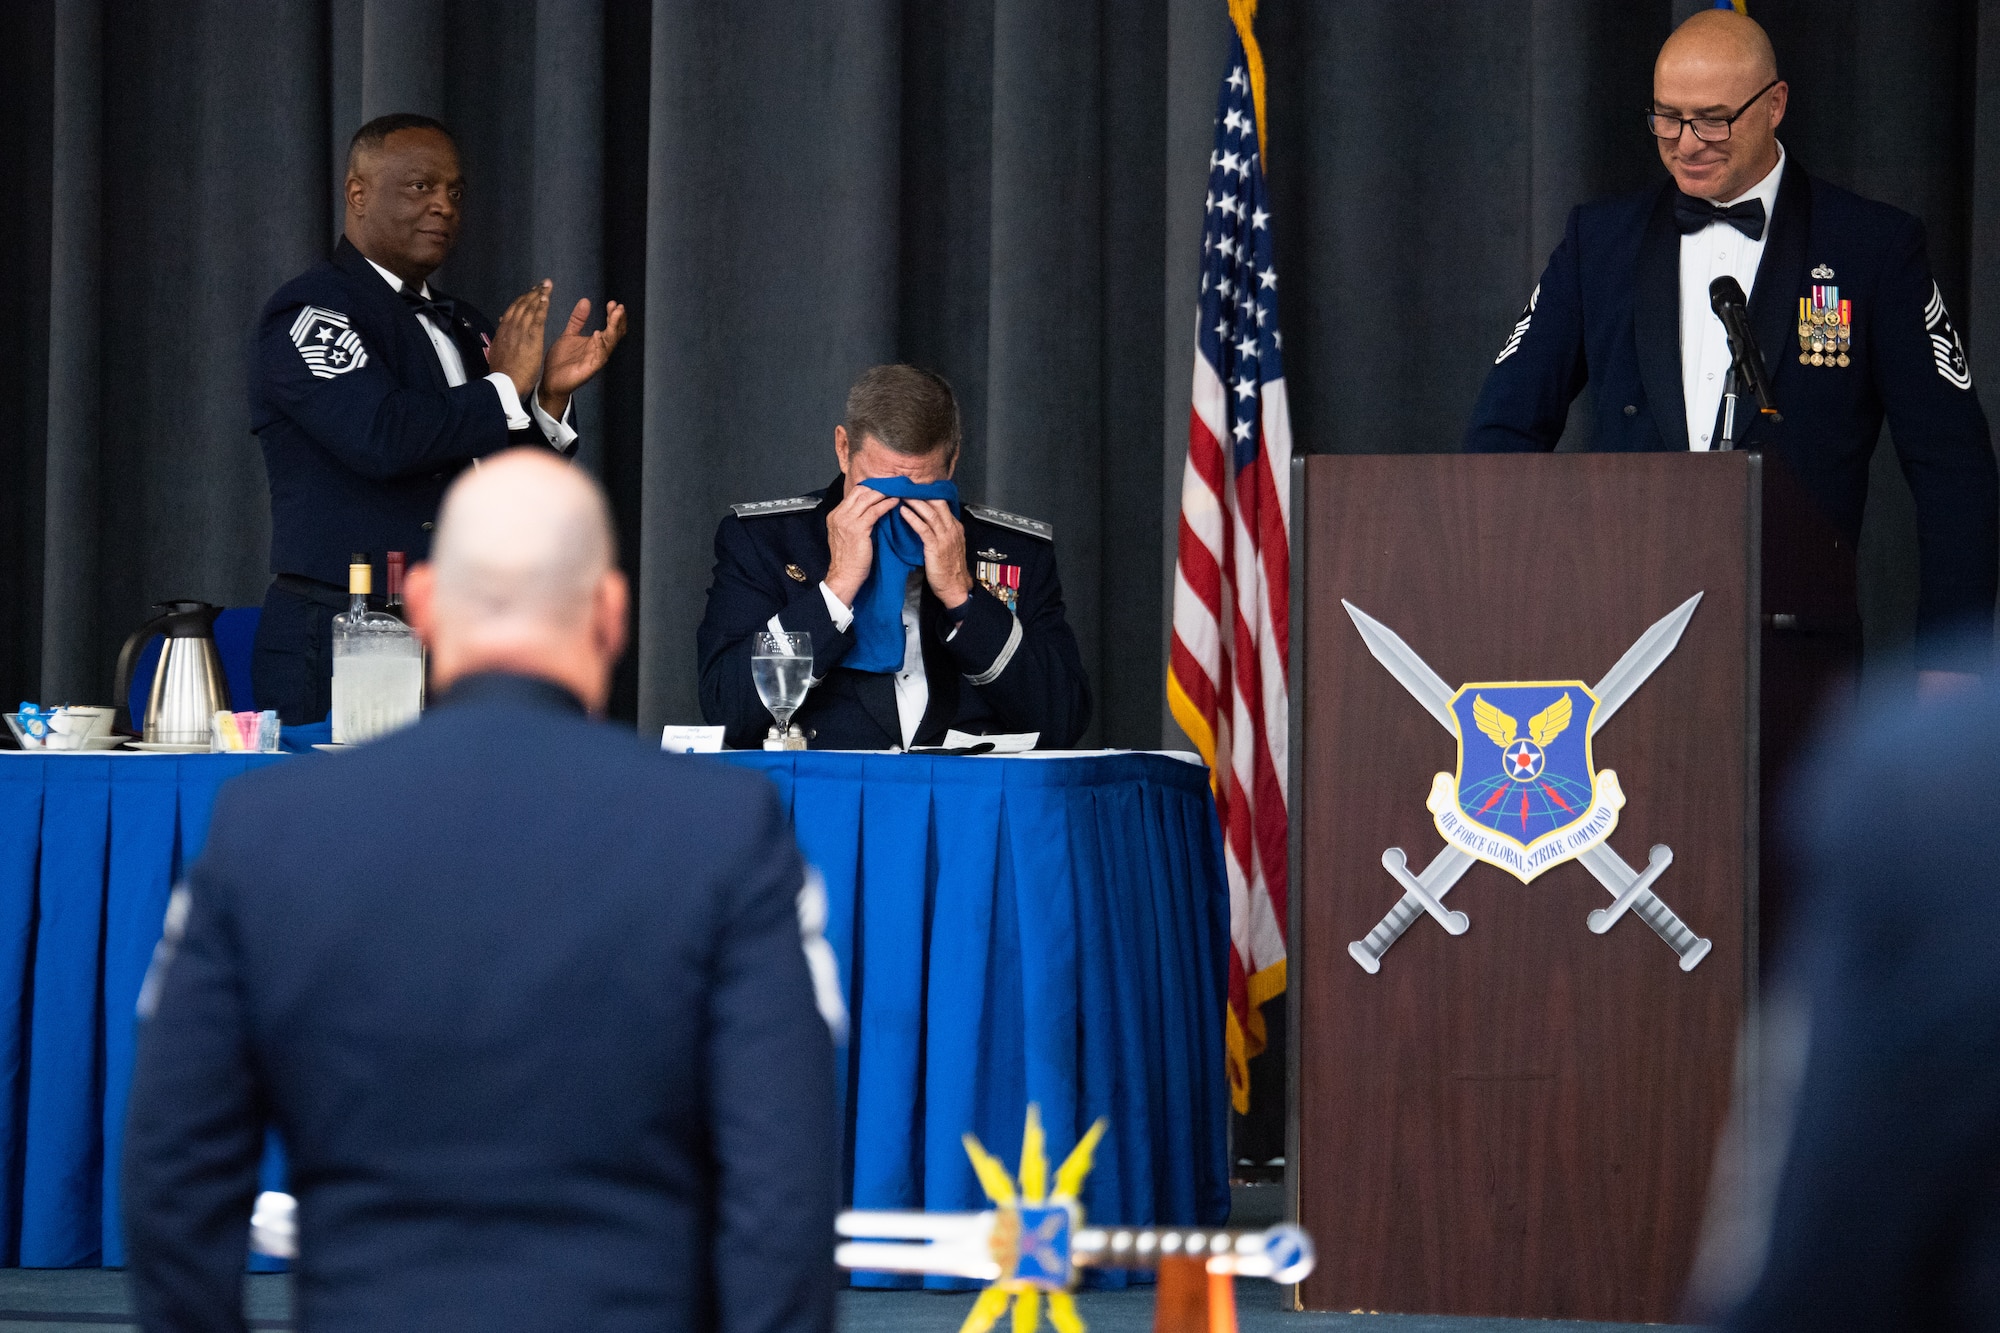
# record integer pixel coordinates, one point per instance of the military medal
(1826, 325)
(1003, 581)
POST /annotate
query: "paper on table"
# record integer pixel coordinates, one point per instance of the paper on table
(1018, 743)
(691, 740)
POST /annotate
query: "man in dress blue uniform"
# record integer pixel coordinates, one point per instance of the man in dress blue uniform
(1885, 1213)
(1844, 310)
(511, 985)
(370, 392)
(968, 635)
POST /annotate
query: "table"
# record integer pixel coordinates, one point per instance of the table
(1008, 930)
(90, 847)
(1022, 929)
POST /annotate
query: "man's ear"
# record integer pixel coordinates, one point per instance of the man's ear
(420, 599)
(840, 446)
(356, 194)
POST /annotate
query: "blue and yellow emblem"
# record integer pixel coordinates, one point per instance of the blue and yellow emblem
(1525, 796)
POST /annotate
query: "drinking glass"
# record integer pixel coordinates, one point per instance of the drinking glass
(781, 666)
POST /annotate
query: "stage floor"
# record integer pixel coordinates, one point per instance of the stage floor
(36, 1300)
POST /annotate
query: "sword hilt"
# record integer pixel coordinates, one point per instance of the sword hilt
(1669, 927)
(1282, 1253)
(1368, 950)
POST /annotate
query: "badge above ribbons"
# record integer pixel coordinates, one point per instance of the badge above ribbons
(1526, 796)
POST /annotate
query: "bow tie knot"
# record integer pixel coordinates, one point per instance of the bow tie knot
(441, 310)
(1692, 214)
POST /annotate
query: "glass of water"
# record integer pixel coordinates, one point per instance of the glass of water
(781, 666)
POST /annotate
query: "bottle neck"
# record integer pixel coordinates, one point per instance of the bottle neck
(357, 604)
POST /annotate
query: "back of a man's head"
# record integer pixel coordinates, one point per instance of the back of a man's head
(523, 577)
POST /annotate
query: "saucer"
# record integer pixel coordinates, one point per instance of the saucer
(167, 747)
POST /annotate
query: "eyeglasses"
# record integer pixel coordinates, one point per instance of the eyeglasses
(1708, 129)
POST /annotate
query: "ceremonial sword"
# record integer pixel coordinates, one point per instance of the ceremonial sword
(1629, 888)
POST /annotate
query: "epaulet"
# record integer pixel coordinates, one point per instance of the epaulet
(1034, 527)
(766, 508)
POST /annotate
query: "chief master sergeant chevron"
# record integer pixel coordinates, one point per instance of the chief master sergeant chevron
(925, 614)
(366, 390)
(1844, 308)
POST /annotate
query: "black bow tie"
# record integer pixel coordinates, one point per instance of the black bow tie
(441, 310)
(1692, 214)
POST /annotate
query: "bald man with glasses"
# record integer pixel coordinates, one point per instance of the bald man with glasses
(1850, 323)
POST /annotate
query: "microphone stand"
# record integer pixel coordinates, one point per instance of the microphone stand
(1727, 441)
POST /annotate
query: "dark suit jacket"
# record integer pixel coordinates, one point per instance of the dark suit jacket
(513, 986)
(361, 433)
(1888, 1207)
(1001, 671)
(1607, 313)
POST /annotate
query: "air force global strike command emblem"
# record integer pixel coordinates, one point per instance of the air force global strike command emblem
(1526, 795)
(326, 342)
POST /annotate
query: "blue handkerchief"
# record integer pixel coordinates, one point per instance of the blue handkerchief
(878, 607)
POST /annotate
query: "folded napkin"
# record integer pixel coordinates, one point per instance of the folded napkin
(878, 607)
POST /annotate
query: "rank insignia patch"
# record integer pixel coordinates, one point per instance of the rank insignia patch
(1525, 797)
(1946, 350)
(1826, 325)
(1003, 581)
(1521, 327)
(326, 342)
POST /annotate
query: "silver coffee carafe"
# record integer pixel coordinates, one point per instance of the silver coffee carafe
(189, 686)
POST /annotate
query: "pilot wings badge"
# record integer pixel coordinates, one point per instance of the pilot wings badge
(1525, 797)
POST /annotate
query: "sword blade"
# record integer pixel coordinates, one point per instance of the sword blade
(1641, 660)
(1410, 671)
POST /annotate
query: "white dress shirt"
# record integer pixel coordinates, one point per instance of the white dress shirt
(560, 434)
(1705, 256)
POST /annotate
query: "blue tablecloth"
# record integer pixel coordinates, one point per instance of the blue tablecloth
(90, 847)
(1024, 929)
(1009, 930)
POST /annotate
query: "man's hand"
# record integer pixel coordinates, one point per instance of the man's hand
(575, 358)
(850, 534)
(944, 549)
(516, 351)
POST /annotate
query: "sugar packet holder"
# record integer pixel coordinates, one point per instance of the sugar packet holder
(244, 733)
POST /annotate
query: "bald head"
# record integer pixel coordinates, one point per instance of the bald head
(1725, 39)
(1712, 65)
(523, 578)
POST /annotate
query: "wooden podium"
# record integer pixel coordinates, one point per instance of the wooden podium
(1521, 1120)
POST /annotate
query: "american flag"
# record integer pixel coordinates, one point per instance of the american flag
(1226, 678)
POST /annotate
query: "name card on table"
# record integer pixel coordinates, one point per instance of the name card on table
(691, 740)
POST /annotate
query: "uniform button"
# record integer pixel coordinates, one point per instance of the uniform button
(428, 526)
(437, 476)
(1631, 409)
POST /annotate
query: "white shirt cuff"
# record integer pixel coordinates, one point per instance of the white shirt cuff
(560, 434)
(842, 613)
(510, 401)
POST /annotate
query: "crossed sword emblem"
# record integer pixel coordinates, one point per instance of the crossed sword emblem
(1631, 890)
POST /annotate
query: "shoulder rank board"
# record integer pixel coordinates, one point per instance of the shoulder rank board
(1034, 527)
(765, 508)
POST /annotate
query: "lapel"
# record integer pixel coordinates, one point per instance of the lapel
(1656, 320)
(941, 709)
(1774, 299)
(412, 345)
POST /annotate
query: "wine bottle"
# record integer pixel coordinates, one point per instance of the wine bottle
(392, 599)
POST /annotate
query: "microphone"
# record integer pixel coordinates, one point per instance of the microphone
(1725, 297)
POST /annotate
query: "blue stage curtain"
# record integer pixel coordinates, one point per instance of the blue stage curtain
(1024, 930)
